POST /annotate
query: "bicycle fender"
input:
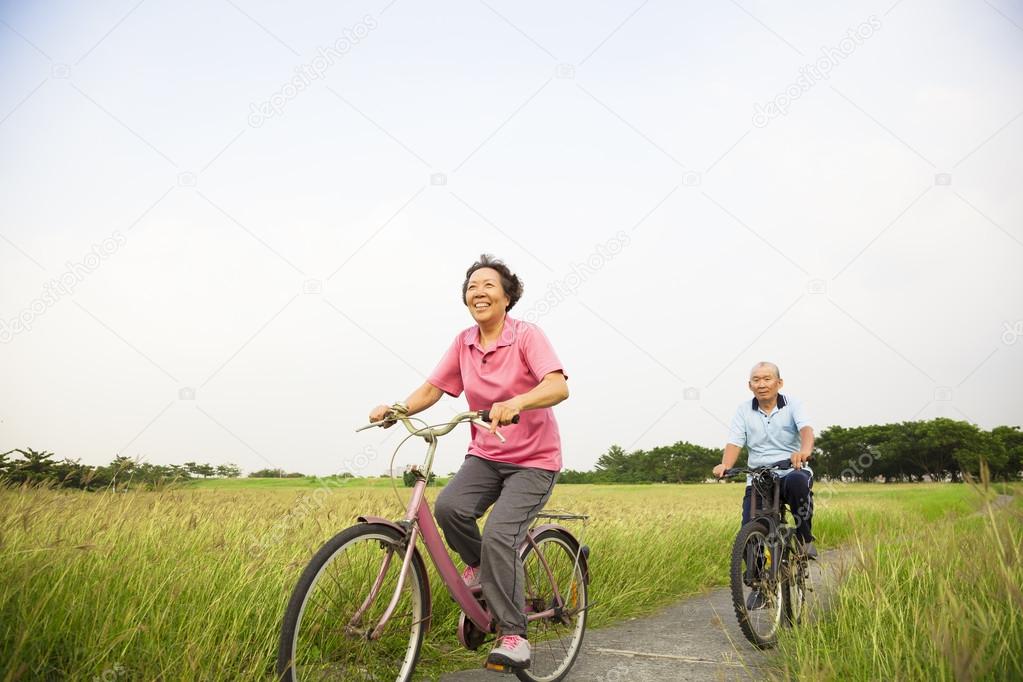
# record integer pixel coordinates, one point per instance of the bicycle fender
(385, 522)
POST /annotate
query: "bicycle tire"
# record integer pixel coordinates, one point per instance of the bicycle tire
(346, 653)
(794, 585)
(756, 532)
(550, 663)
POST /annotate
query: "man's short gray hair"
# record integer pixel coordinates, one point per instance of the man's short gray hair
(770, 365)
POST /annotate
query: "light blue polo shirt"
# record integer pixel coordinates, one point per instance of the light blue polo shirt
(769, 437)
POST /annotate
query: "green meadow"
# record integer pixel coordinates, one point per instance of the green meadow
(191, 583)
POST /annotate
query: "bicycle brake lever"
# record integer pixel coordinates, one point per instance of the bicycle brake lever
(483, 425)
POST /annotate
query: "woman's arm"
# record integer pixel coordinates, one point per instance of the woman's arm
(420, 399)
(551, 390)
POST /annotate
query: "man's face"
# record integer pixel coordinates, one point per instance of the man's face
(765, 384)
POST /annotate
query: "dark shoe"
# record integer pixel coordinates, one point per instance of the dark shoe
(809, 550)
(755, 600)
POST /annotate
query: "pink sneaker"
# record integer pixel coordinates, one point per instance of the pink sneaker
(471, 576)
(511, 651)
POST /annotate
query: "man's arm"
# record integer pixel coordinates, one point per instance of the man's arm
(728, 459)
(805, 447)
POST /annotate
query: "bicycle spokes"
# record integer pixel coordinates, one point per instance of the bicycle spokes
(556, 601)
(337, 633)
(757, 585)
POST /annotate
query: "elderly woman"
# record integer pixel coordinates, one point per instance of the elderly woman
(509, 367)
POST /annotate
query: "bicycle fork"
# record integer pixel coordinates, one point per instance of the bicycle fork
(409, 546)
(409, 550)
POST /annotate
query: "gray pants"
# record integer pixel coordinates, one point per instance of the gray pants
(518, 494)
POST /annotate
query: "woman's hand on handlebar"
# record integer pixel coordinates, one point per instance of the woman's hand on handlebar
(380, 413)
(502, 414)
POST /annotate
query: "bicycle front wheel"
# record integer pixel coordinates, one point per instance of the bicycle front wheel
(328, 631)
(756, 594)
(555, 640)
(796, 577)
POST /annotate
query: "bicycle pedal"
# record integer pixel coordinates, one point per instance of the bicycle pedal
(498, 667)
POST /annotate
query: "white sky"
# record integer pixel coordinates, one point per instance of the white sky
(131, 120)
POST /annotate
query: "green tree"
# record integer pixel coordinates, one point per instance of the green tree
(409, 479)
(36, 466)
(205, 470)
(1011, 439)
(613, 465)
(228, 471)
(983, 446)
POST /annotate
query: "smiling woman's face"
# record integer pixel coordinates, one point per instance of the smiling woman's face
(485, 296)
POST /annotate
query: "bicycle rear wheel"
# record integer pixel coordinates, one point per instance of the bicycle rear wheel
(324, 637)
(756, 595)
(555, 641)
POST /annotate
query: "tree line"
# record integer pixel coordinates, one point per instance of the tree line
(37, 467)
(935, 450)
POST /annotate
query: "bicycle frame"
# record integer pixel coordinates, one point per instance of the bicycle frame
(419, 523)
(773, 514)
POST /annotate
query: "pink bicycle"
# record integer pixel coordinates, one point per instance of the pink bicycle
(362, 606)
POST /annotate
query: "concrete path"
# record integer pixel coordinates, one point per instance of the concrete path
(695, 639)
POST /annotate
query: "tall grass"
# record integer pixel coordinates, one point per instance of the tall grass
(192, 584)
(938, 601)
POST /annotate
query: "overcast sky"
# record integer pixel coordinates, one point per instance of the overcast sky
(229, 228)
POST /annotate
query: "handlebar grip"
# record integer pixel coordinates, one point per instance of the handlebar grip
(485, 416)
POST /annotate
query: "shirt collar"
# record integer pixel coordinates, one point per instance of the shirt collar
(508, 334)
(756, 406)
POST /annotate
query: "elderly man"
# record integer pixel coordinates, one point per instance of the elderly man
(774, 427)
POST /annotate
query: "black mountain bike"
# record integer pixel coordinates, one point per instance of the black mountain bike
(770, 577)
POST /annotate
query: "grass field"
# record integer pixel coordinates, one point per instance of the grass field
(192, 583)
(935, 601)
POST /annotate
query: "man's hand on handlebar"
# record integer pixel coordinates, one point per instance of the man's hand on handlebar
(798, 458)
(719, 471)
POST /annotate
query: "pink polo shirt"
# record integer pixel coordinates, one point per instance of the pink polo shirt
(521, 358)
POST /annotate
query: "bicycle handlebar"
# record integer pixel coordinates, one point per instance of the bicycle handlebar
(478, 417)
(780, 464)
(485, 416)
